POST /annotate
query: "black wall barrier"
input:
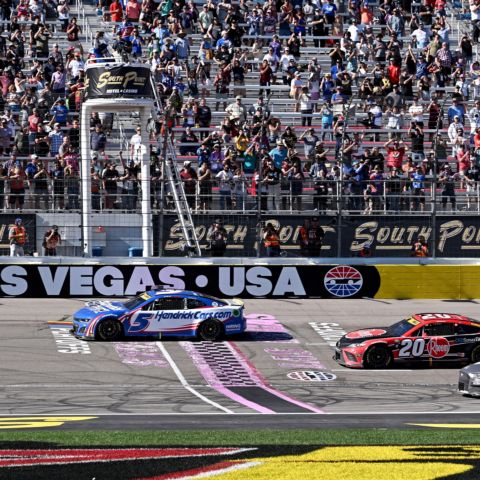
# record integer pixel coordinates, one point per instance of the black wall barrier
(320, 281)
(388, 236)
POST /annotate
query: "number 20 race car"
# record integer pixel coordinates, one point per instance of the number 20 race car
(422, 337)
(160, 313)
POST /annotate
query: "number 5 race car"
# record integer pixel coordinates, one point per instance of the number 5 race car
(422, 337)
(160, 313)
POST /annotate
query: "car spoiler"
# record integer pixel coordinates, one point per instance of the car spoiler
(236, 302)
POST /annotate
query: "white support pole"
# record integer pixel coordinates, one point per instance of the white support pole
(85, 180)
(147, 225)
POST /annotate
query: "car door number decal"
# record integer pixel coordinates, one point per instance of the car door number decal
(412, 348)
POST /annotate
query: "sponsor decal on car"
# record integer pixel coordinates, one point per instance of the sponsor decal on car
(438, 347)
(232, 327)
(182, 315)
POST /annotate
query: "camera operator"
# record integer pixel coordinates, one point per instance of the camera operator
(122, 46)
(51, 239)
(217, 239)
(271, 240)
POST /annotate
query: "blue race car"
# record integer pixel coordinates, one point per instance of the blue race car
(160, 313)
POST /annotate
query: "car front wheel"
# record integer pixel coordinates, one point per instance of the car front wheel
(109, 330)
(377, 356)
(210, 330)
(475, 355)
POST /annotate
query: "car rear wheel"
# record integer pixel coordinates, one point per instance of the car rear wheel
(109, 329)
(377, 356)
(475, 355)
(210, 330)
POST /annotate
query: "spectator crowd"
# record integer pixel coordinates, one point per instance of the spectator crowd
(275, 105)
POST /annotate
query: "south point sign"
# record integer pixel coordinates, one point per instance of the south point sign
(118, 82)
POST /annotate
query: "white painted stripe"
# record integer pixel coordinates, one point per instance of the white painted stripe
(220, 471)
(253, 414)
(360, 370)
(184, 382)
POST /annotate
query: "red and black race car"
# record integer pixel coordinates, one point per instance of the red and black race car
(422, 337)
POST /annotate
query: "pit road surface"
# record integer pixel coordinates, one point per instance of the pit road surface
(283, 366)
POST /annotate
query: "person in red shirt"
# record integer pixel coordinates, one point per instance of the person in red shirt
(395, 153)
(394, 72)
(33, 121)
(132, 10)
(116, 11)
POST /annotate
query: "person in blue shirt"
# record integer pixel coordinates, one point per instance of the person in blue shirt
(162, 32)
(329, 9)
(278, 154)
(456, 110)
(60, 112)
(336, 69)
(418, 184)
(136, 41)
(327, 85)
(422, 68)
(223, 40)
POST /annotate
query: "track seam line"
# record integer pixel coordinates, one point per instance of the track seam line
(184, 382)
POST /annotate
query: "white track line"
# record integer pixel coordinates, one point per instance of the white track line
(367, 371)
(184, 382)
(240, 414)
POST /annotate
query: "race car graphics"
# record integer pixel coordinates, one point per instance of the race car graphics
(366, 333)
(426, 336)
(162, 312)
(170, 321)
(438, 347)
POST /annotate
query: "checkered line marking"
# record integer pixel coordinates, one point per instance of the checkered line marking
(221, 365)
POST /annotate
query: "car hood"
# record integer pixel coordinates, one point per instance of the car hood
(474, 368)
(236, 302)
(92, 309)
(357, 336)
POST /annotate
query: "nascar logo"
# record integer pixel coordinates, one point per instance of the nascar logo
(343, 281)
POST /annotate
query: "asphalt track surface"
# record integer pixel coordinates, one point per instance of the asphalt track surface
(279, 375)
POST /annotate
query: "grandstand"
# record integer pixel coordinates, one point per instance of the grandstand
(363, 114)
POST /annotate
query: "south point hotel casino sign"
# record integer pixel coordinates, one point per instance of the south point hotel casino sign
(456, 237)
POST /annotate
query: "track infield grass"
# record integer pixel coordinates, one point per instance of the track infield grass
(374, 436)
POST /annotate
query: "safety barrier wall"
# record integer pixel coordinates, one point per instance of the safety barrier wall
(304, 278)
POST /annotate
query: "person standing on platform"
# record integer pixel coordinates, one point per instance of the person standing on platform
(420, 247)
(217, 239)
(51, 240)
(271, 240)
(315, 235)
(17, 237)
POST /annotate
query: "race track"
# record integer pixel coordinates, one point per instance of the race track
(282, 366)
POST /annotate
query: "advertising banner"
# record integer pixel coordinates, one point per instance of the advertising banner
(316, 281)
(8, 220)
(118, 82)
(387, 236)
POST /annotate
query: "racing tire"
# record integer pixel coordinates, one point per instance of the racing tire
(377, 357)
(109, 330)
(210, 330)
(475, 354)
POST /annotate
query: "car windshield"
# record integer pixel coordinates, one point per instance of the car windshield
(399, 328)
(136, 301)
(214, 299)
